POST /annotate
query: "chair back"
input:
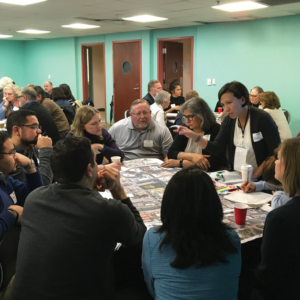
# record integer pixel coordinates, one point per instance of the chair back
(127, 114)
(287, 115)
(8, 255)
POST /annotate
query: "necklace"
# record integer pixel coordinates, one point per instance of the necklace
(240, 125)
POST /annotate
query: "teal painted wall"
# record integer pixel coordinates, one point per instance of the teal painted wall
(51, 57)
(12, 60)
(260, 52)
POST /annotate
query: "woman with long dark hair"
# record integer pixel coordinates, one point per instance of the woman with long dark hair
(193, 254)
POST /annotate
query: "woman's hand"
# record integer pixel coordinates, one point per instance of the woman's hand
(182, 130)
(175, 107)
(170, 163)
(248, 187)
(97, 147)
(200, 160)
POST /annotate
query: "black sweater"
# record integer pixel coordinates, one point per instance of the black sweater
(216, 161)
(260, 121)
(177, 101)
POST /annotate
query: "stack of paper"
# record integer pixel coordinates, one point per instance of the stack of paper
(255, 199)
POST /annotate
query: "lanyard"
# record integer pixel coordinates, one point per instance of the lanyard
(240, 125)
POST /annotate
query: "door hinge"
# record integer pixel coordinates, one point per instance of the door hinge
(164, 86)
(164, 50)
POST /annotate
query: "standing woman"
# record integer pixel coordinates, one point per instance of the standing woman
(278, 273)
(176, 98)
(250, 134)
(193, 254)
(87, 123)
(10, 100)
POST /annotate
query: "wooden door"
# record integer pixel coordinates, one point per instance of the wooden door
(127, 76)
(173, 62)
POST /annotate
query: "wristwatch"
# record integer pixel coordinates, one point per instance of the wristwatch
(31, 166)
(180, 163)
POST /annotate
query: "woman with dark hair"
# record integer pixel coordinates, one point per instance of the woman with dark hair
(68, 93)
(176, 98)
(250, 134)
(59, 97)
(185, 151)
(193, 254)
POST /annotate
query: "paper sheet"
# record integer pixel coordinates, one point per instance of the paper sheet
(256, 198)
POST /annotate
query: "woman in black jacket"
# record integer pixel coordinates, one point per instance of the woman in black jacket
(185, 151)
(250, 133)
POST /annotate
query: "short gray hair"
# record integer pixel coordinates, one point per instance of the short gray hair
(161, 97)
(13, 87)
(258, 89)
(138, 101)
(29, 92)
(4, 81)
(152, 83)
(200, 108)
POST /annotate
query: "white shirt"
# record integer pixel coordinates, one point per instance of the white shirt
(246, 141)
(157, 112)
(281, 122)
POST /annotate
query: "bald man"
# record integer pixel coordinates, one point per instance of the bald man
(48, 89)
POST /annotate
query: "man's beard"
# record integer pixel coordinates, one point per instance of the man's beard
(28, 143)
(144, 125)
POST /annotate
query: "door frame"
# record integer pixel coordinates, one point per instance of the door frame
(160, 67)
(83, 68)
(113, 61)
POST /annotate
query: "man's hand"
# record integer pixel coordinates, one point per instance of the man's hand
(248, 187)
(115, 165)
(18, 209)
(22, 160)
(200, 160)
(43, 142)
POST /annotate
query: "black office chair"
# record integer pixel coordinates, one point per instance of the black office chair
(8, 256)
(287, 115)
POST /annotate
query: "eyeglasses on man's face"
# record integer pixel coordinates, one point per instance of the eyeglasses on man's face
(145, 113)
(12, 152)
(33, 126)
(189, 117)
(18, 97)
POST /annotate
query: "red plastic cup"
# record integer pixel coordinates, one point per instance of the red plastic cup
(220, 109)
(240, 212)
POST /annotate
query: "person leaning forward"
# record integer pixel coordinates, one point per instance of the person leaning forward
(69, 231)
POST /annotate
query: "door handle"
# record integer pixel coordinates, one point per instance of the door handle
(137, 88)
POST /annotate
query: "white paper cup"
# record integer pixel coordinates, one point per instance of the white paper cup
(115, 159)
(246, 172)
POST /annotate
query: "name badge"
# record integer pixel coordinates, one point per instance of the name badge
(148, 143)
(13, 197)
(257, 137)
(15, 108)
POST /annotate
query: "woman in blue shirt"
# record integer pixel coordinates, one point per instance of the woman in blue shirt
(193, 255)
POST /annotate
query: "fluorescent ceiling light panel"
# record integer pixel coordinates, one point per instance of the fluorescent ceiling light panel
(240, 6)
(21, 2)
(33, 31)
(4, 36)
(80, 26)
(145, 18)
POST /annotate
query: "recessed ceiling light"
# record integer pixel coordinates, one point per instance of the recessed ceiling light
(33, 31)
(22, 2)
(80, 26)
(4, 36)
(240, 6)
(145, 18)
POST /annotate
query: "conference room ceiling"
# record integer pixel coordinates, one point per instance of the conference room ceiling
(52, 14)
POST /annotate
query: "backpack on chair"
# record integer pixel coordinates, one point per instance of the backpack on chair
(69, 111)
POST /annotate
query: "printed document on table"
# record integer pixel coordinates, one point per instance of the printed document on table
(256, 198)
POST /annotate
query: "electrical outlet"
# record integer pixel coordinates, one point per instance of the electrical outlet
(209, 81)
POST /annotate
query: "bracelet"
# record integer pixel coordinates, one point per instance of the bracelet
(180, 163)
(6, 106)
(198, 138)
(14, 212)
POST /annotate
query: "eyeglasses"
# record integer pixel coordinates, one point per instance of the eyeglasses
(33, 126)
(12, 152)
(145, 113)
(20, 97)
(254, 96)
(189, 117)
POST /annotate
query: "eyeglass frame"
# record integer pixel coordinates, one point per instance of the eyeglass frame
(144, 113)
(189, 117)
(18, 97)
(14, 151)
(254, 96)
(37, 127)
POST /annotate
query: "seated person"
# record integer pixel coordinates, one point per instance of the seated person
(140, 136)
(193, 254)
(59, 97)
(176, 98)
(69, 231)
(87, 123)
(68, 93)
(271, 104)
(13, 192)
(10, 100)
(278, 273)
(55, 111)
(270, 184)
(154, 86)
(185, 151)
(27, 100)
(253, 97)
(250, 127)
(25, 133)
(189, 95)
(48, 86)
(162, 101)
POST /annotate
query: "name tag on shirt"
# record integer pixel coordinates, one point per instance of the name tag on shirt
(257, 137)
(148, 143)
(13, 197)
(15, 108)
